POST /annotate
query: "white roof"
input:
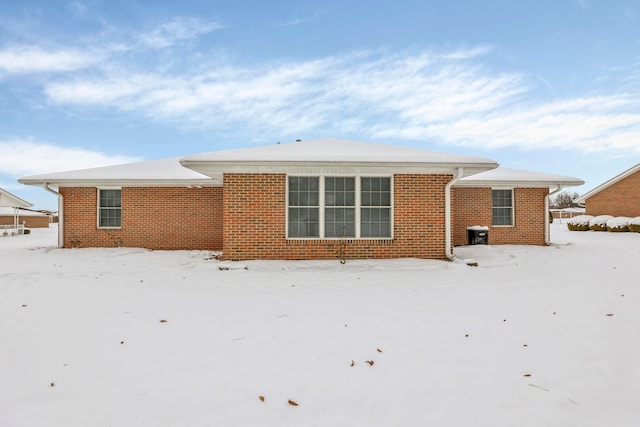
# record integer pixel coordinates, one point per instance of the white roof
(331, 155)
(517, 178)
(619, 177)
(12, 201)
(165, 172)
(7, 211)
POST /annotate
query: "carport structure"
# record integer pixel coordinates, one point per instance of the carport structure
(12, 201)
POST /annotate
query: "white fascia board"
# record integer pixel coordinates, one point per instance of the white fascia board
(518, 184)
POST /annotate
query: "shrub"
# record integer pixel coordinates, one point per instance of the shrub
(579, 223)
(599, 223)
(620, 223)
(634, 224)
(27, 231)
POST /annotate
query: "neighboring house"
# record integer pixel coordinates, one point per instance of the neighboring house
(619, 196)
(10, 205)
(304, 200)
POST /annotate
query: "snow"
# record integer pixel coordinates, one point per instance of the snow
(338, 150)
(518, 177)
(11, 200)
(580, 220)
(21, 212)
(635, 220)
(618, 222)
(129, 337)
(599, 220)
(478, 228)
(152, 170)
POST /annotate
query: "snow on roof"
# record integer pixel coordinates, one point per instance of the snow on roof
(12, 201)
(517, 178)
(619, 177)
(8, 211)
(148, 173)
(331, 152)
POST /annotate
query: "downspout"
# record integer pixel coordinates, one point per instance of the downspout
(547, 233)
(60, 214)
(447, 213)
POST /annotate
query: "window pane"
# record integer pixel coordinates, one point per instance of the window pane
(375, 191)
(303, 222)
(375, 222)
(110, 198)
(339, 222)
(303, 191)
(339, 191)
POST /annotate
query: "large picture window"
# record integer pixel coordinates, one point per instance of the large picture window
(502, 207)
(339, 207)
(109, 208)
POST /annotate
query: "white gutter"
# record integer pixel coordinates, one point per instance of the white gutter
(547, 234)
(60, 213)
(447, 213)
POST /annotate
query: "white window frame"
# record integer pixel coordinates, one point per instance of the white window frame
(100, 207)
(513, 206)
(358, 207)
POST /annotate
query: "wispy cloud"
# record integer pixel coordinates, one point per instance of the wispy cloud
(177, 30)
(36, 59)
(44, 157)
(450, 96)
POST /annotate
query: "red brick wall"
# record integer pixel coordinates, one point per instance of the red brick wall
(254, 221)
(30, 221)
(620, 199)
(472, 206)
(152, 217)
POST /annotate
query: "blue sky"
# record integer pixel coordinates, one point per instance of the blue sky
(551, 86)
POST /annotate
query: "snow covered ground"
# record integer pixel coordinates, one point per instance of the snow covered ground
(533, 336)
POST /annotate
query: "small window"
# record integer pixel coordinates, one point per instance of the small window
(109, 208)
(502, 207)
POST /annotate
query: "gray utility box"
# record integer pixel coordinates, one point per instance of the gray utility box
(477, 236)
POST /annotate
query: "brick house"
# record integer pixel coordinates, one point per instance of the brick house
(304, 200)
(619, 196)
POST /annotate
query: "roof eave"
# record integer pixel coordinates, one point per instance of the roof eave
(121, 182)
(518, 184)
